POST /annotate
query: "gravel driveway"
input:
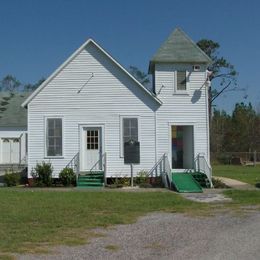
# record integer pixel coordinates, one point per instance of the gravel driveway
(172, 236)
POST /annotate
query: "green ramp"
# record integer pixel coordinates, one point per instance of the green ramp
(184, 182)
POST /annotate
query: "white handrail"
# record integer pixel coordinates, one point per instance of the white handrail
(159, 165)
(103, 162)
(99, 162)
(162, 168)
(203, 166)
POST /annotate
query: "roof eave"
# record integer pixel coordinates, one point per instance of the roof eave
(152, 63)
(182, 61)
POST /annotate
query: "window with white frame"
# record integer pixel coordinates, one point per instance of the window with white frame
(54, 136)
(181, 82)
(129, 130)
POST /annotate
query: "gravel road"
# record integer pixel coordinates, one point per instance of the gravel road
(172, 236)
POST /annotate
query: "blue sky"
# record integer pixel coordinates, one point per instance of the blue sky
(37, 36)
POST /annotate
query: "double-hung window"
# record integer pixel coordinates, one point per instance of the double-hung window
(181, 85)
(54, 137)
(129, 131)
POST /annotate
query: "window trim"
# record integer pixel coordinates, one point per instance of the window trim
(121, 152)
(176, 91)
(45, 137)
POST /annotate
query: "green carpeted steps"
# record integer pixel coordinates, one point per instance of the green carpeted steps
(184, 182)
(91, 179)
(202, 179)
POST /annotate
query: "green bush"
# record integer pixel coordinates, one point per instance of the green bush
(12, 178)
(142, 177)
(145, 185)
(67, 177)
(42, 174)
(218, 184)
(157, 182)
(114, 186)
(119, 182)
(257, 185)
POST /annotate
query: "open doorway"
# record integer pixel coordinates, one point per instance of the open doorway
(182, 146)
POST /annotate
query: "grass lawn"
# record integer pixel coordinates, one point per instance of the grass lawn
(244, 197)
(248, 174)
(32, 220)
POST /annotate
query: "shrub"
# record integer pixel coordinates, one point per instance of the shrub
(145, 185)
(114, 186)
(257, 185)
(23, 176)
(218, 184)
(11, 178)
(123, 181)
(157, 182)
(67, 177)
(119, 182)
(42, 174)
(142, 177)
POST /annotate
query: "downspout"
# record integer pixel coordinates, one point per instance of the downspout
(155, 117)
(28, 137)
(155, 132)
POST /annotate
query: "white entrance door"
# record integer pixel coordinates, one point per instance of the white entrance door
(92, 150)
(10, 150)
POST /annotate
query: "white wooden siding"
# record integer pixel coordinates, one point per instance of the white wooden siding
(181, 109)
(109, 94)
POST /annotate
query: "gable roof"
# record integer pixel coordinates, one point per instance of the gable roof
(25, 103)
(11, 112)
(179, 48)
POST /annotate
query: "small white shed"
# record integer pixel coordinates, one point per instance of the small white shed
(13, 128)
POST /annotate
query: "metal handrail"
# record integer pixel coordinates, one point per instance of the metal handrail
(168, 171)
(98, 162)
(74, 164)
(162, 168)
(203, 166)
(103, 162)
(158, 164)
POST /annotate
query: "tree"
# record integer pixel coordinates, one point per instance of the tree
(10, 83)
(220, 125)
(243, 132)
(142, 77)
(239, 132)
(31, 87)
(223, 72)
